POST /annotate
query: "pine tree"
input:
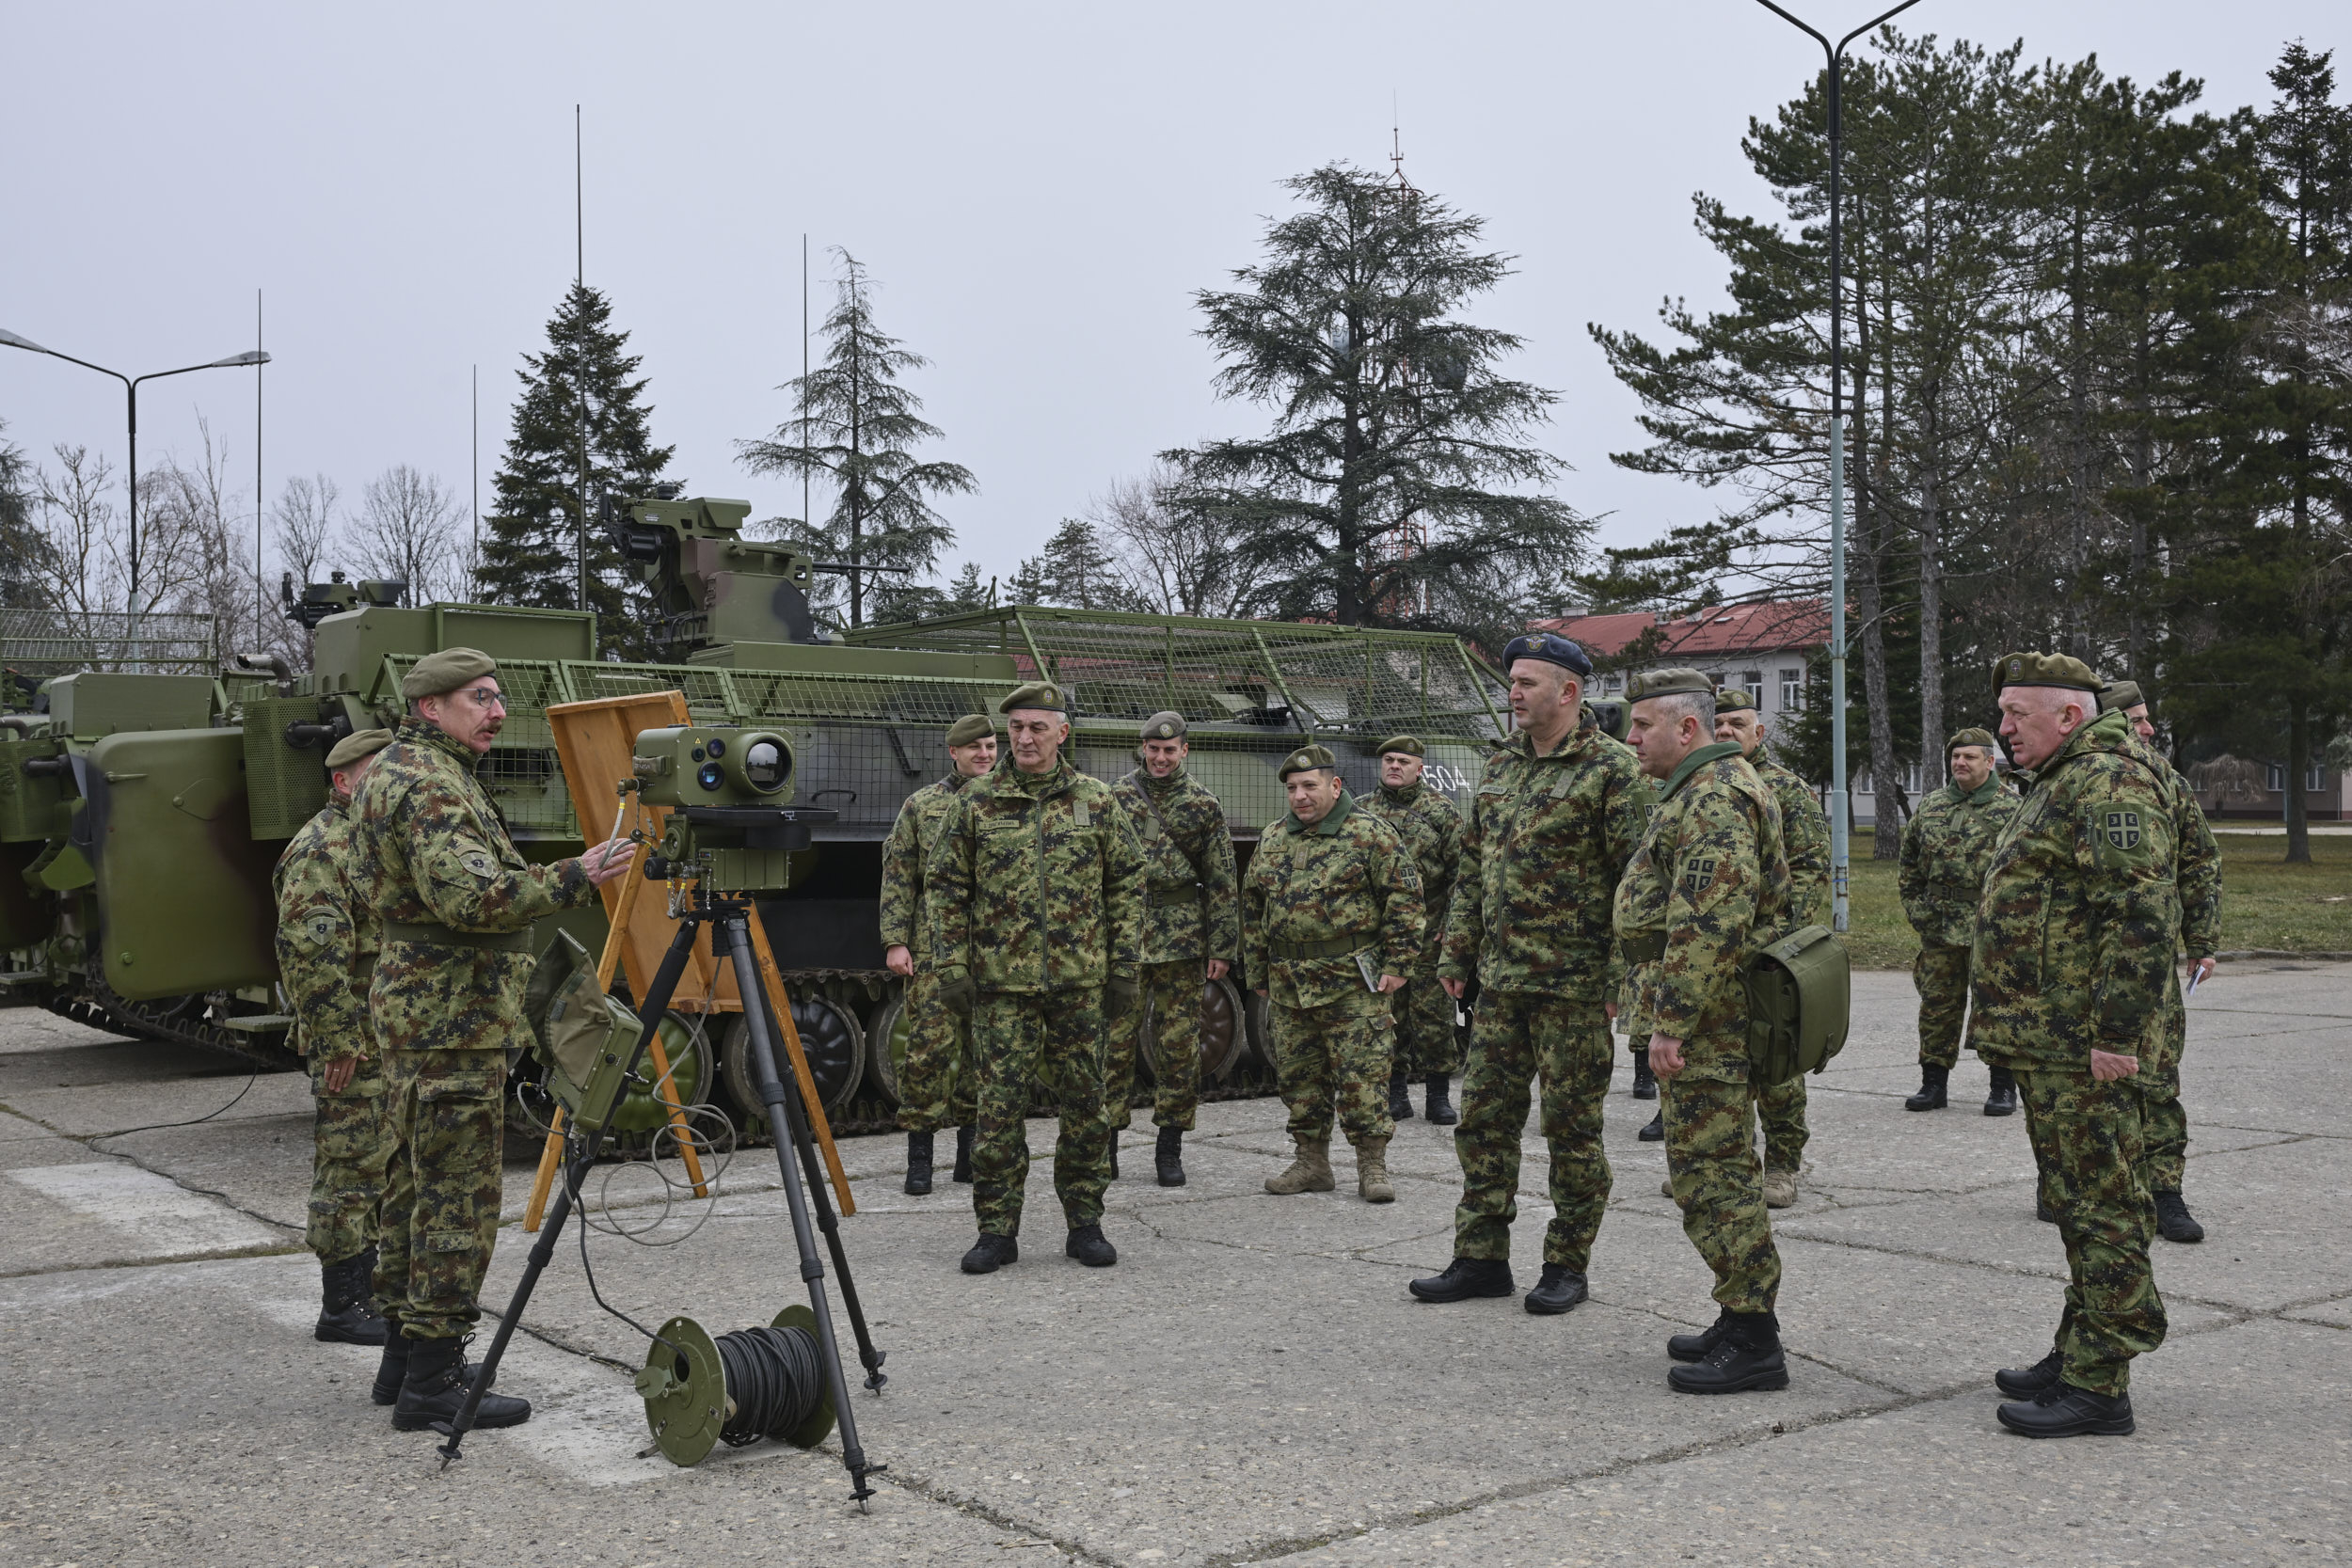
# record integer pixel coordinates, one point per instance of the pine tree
(1076, 571)
(1396, 463)
(23, 550)
(855, 426)
(583, 392)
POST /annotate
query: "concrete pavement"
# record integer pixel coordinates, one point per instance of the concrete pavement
(1252, 1384)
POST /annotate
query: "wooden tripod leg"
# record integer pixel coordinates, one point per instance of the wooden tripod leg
(772, 978)
(550, 1157)
(615, 941)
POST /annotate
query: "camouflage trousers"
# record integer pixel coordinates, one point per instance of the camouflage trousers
(352, 1143)
(443, 1188)
(1170, 993)
(1519, 1040)
(1711, 1155)
(2164, 1123)
(935, 1080)
(1940, 975)
(2087, 1146)
(1781, 1110)
(1017, 1038)
(1334, 1056)
(1426, 1039)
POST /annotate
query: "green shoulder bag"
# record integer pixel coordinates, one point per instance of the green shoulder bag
(1799, 1002)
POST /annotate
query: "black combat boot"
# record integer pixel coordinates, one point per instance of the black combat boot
(1089, 1247)
(439, 1376)
(1466, 1278)
(392, 1370)
(1440, 1107)
(344, 1315)
(1400, 1099)
(1933, 1094)
(1560, 1289)
(991, 1253)
(2063, 1410)
(1169, 1157)
(2002, 1100)
(1746, 1355)
(1645, 1081)
(1694, 1347)
(1654, 1130)
(918, 1163)
(2175, 1223)
(2028, 1382)
(963, 1155)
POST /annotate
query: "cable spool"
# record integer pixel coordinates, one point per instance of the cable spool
(738, 1388)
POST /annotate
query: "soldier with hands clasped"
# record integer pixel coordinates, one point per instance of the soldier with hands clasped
(1432, 830)
(1946, 848)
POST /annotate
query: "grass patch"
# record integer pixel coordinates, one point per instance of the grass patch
(2265, 902)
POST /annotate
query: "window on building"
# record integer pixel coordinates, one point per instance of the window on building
(1791, 690)
(1862, 784)
(2314, 778)
(1751, 682)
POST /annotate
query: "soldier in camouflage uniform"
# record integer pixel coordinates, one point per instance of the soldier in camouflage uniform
(1331, 920)
(935, 1080)
(2198, 881)
(326, 959)
(2074, 938)
(1432, 828)
(1036, 894)
(1708, 888)
(1947, 845)
(1191, 931)
(1804, 839)
(1557, 815)
(432, 867)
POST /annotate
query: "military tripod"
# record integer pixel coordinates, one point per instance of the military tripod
(728, 918)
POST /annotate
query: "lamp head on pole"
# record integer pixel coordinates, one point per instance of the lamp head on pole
(250, 356)
(13, 340)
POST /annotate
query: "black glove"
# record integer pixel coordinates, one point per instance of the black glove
(1118, 998)
(957, 995)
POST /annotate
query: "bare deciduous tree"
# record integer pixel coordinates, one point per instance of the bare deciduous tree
(406, 528)
(303, 526)
(1179, 559)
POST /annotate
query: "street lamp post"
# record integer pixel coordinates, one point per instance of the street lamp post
(253, 356)
(1840, 860)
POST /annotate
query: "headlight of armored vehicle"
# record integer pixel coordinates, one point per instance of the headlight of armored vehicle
(697, 764)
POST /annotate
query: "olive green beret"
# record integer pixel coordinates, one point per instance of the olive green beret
(1403, 743)
(2116, 696)
(969, 728)
(1168, 724)
(1972, 737)
(1668, 683)
(1305, 760)
(436, 674)
(2043, 669)
(1733, 699)
(1042, 695)
(351, 748)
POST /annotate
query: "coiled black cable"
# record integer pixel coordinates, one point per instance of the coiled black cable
(774, 1378)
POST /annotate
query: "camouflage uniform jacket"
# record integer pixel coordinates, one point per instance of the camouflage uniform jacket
(325, 957)
(2198, 873)
(429, 850)
(905, 922)
(1191, 896)
(1432, 828)
(1947, 845)
(2079, 921)
(1347, 882)
(1035, 883)
(1708, 888)
(1804, 838)
(1546, 840)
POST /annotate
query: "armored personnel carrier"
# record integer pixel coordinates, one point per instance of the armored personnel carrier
(142, 811)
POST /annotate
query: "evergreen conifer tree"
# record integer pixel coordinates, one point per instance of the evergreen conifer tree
(1076, 571)
(855, 427)
(1396, 463)
(582, 401)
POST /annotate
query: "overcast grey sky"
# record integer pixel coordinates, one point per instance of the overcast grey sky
(1038, 190)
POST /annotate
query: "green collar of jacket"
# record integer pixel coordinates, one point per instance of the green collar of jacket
(1161, 786)
(2109, 732)
(417, 732)
(1405, 797)
(1693, 763)
(1575, 743)
(1009, 779)
(1983, 793)
(1332, 819)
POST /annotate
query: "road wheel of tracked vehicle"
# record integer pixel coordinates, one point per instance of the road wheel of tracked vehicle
(1258, 1015)
(1222, 1026)
(830, 1038)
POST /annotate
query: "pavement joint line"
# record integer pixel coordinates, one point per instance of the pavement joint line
(169, 1259)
